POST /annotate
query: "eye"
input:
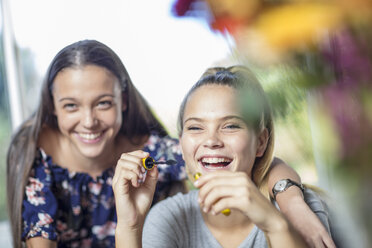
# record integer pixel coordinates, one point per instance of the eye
(232, 126)
(70, 106)
(193, 128)
(104, 104)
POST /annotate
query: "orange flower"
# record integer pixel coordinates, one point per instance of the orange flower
(227, 24)
(236, 9)
(298, 25)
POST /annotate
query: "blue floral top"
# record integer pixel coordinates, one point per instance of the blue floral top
(79, 211)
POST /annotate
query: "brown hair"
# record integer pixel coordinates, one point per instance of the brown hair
(137, 119)
(257, 113)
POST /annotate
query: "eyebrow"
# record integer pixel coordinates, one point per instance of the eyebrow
(73, 99)
(223, 118)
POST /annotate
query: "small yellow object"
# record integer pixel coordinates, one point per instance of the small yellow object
(148, 163)
(197, 175)
(226, 211)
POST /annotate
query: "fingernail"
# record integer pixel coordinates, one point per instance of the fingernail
(143, 170)
(205, 209)
(196, 183)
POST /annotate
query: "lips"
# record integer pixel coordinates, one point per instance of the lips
(215, 162)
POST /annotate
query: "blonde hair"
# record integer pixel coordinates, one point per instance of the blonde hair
(257, 114)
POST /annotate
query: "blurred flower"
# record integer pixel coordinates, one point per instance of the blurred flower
(231, 15)
(352, 80)
(349, 59)
(281, 28)
(297, 26)
(238, 9)
(182, 6)
(324, 47)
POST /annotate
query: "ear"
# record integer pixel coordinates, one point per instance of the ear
(262, 141)
(124, 104)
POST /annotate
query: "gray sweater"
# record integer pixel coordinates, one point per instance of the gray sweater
(178, 222)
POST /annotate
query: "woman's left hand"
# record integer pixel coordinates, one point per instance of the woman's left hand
(235, 190)
(133, 198)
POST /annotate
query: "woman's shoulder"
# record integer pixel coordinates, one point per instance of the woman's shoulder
(315, 198)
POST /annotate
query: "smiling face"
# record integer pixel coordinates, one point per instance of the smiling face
(214, 135)
(88, 105)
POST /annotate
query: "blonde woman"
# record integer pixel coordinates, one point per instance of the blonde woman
(232, 148)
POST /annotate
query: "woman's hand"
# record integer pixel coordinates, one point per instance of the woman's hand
(235, 190)
(133, 189)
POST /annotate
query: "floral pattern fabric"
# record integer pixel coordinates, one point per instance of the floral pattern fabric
(79, 211)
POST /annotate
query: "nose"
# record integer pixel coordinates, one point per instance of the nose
(213, 140)
(89, 119)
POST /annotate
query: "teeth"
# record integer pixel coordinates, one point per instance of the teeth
(215, 160)
(89, 136)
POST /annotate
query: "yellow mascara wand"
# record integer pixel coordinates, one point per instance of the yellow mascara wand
(148, 163)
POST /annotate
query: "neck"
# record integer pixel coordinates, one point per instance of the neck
(94, 166)
(229, 231)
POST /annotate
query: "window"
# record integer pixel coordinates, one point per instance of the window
(5, 127)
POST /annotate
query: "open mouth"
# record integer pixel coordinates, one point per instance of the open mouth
(215, 163)
(90, 137)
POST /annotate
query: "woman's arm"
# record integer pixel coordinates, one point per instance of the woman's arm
(280, 170)
(39, 206)
(280, 232)
(39, 242)
(293, 206)
(133, 190)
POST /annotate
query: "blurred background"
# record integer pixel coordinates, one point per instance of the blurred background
(313, 58)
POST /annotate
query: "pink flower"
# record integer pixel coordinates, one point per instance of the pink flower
(45, 234)
(105, 230)
(44, 219)
(61, 226)
(95, 188)
(76, 210)
(70, 234)
(33, 189)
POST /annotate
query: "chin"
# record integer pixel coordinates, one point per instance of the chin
(91, 153)
(209, 170)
